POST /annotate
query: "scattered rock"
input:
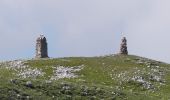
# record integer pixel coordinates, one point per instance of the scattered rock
(31, 73)
(29, 84)
(66, 72)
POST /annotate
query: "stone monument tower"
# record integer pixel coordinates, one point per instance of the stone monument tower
(41, 47)
(123, 47)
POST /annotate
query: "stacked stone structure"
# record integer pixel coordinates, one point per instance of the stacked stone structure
(123, 47)
(41, 47)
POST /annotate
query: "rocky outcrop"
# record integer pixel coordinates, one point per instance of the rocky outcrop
(41, 47)
(123, 47)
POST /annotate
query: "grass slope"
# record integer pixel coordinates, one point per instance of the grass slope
(114, 77)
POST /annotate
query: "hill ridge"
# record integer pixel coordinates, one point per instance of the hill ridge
(104, 77)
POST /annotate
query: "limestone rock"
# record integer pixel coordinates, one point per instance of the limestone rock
(41, 47)
(123, 47)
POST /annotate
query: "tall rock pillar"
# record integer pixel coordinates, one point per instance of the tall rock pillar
(41, 47)
(123, 47)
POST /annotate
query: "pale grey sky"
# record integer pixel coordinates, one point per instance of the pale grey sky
(85, 27)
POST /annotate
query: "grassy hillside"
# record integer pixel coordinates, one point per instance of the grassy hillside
(114, 77)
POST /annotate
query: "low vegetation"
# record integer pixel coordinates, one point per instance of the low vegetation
(112, 77)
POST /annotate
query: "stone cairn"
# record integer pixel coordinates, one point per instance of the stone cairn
(123, 47)
(41, 47)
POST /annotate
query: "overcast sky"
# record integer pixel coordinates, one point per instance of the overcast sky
(85, 27)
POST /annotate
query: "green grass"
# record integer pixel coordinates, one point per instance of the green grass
(97, 80)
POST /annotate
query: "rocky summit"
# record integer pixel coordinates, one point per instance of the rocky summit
(111, 77)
